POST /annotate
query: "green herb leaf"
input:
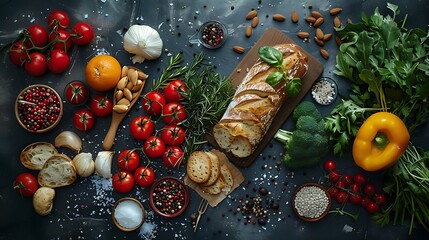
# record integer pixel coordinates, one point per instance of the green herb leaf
(293, 87)
(274, 78)
(271, 56)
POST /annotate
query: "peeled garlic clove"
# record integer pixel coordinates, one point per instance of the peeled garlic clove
(69, 140)
(123, 101)
(103, 164)
(84, 164)
(128, 94)
(137, 87)
(124, 71)
(119, 94)
(122, 83)
(142, 75)
(120, 108)
(133, 76)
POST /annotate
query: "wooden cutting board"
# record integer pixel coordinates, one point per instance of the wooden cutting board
(315, 68)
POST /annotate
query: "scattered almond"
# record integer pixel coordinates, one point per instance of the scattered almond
(279, 17)
(248, 31)
(303, 35)
(318, 22)
(255, 22)
(326, 37)
(349, 21)
(319, 42)
(238, 49)
(324, 53)
(251, 15)
(337, 22)
(335, 11)
(316, 14)
(310, 19)
(338, 40)
(294, 17)
(319, 33)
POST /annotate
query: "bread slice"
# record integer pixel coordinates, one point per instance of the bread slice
(228, 178)
(58, 171)
(215, 169)
(198, 167)
(35, 155)
(215, 188)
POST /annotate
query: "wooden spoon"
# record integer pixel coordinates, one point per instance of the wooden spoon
(117, 117)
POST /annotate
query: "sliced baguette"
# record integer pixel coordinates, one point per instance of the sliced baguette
(215, 169)
(198, 167)
(215, 188)
(58, 171)
(228, 178)
(35, 155)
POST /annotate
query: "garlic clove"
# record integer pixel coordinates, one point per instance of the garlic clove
(69, 140)
(103, 164)
(84, 164)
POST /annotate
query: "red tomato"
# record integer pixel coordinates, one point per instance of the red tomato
(128, 160)
(341, 184)
(83, 120)
(37, 64)
(61, 40)
(334, 177)
(17, 53)
(355, 198)
(359, 178)
(154, 147)
(76, 92)
(37, 36)
(365, 201)
(123, 181)
(372, 207)
(144, 176)
(25, 184)
(101, 105)
(342, 197)
(142, 127)
(355, 187)
(82, 33)
(173, 91)
(173, 156)
(58, 61)
(333, 192)
(369, 189)
(173, 135)
(153, 103)
(173, 113)
(329, 166)
(347, 179)
(58, 18)
(381, 199)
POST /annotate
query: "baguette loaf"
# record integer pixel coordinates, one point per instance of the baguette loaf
(256, 103)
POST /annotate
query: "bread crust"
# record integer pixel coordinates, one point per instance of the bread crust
(35, 155)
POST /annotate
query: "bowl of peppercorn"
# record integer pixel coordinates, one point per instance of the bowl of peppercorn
(169, 197)
(38, 108)
(212, 34)
(311, 202)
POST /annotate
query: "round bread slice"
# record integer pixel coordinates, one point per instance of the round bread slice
(58, 171)
(198, 167)
(216, 188)
(35, 155)
(215, 169)
(228, 178)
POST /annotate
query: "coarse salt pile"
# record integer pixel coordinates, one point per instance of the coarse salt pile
(324, 91)
(311, 201)
(128, 214)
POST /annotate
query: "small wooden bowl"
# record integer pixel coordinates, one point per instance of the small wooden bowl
(115, 221)
(153, 204)
(325, 212)
(20, 101)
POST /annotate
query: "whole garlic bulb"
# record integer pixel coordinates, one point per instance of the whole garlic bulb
(144, 42)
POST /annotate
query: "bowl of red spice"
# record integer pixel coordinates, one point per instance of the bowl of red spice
(311, 202)
(212, 34)
(38, 108)
(169, 197)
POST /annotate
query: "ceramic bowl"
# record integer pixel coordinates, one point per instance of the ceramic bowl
(166, 184)
(220, 30)
(324, 91)
(325, 211)
(135, 201)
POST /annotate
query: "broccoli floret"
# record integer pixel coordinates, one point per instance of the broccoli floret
(306, 108)
(308, 143)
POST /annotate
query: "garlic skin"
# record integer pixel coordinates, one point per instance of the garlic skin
(144, 42)
(84, 164)
(103, 164)
(69, 140)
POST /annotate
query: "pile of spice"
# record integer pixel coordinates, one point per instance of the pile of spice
(129, 214)
(311, 202)
(212, 34)
(324, 91)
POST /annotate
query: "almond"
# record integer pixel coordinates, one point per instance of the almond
(294, 16)
(326, 37)
(349, 21)
(337, 22)
(303, 35)
(324, 53)
(335, 11)
(248, 31)
(255, 22)
(310, 19)
(318, 22)
(319, 33)
(279, 17)
(251, 14)
(338, 40)
(319, 42)
(316, 14)
(238, 49)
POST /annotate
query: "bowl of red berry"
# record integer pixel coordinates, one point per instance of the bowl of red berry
(38, 108)
(169, 197)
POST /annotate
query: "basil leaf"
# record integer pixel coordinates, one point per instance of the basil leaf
(274, 78)
(271, 56)
(343, 68)
(293, 87)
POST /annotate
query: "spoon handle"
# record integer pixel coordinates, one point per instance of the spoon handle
(109, 139)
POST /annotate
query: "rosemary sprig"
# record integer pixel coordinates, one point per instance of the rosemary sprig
(173, 70)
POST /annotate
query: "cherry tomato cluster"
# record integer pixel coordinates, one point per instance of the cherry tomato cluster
(38, 50)
(354, 189)
(166, 142)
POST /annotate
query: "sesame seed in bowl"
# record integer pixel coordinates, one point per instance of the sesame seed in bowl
(324, 91)
(311, 202)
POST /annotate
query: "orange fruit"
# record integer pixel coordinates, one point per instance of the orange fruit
(102, 73)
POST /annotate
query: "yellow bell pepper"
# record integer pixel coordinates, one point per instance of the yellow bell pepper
(368, 154)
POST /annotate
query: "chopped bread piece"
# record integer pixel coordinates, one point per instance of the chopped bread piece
(35, 155)
(58, 171)
(228, 178)
(215, 169)
(215, 188)
(198, 167)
